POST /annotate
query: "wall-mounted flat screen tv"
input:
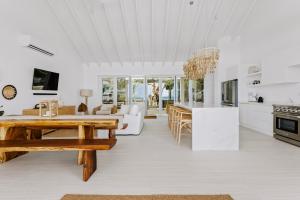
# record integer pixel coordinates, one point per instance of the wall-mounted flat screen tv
(45, 80)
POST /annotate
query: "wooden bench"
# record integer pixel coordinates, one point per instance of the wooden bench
(57, 145)
(89, 147)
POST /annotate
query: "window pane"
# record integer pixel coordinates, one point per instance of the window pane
(153, 95)
(122, 91)
(138, 90)
(167, 92)
(197, 87)
(185, 89)
(177, 95)
(107, 91)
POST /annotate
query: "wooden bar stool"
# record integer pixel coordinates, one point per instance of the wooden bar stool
(175, 110)
(184, 121)
(175, 120)
(170, 115)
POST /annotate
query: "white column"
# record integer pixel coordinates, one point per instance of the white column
(209, 89)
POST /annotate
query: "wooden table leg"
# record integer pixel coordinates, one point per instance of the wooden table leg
(90, 164)
(112, 133)
(81, 135)
(85, 132)
(3, 131)
(89, 157)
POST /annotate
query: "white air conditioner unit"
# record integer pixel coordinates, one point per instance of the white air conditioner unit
(26, 41)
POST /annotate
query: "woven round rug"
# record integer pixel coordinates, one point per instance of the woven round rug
(146, 197)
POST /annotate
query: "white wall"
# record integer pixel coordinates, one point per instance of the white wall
(271, 39)
(209, 86)
(16, 62)
(228, 66)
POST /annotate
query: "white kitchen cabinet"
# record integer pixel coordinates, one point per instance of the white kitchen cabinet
(257, 116)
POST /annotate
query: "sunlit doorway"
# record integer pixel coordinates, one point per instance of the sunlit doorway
(167, 92)
(122, 91)
(138, 90)
(153, 96)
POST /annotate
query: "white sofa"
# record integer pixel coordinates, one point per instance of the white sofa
(133, 117)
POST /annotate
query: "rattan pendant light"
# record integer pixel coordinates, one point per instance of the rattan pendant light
(202, 62)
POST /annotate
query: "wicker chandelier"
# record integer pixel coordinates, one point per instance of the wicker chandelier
(202, 62)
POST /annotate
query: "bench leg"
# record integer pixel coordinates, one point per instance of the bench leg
(12, 134)
(89, 164)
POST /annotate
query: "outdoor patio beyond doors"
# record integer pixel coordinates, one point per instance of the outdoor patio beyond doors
(154, 92)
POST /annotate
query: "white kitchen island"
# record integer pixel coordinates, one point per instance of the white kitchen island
(214, 127)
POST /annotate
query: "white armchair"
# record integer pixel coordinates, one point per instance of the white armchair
(134, 119)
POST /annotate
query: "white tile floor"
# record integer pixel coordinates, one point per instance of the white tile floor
(152, 163)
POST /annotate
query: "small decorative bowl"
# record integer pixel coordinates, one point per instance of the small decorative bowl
(1, 112)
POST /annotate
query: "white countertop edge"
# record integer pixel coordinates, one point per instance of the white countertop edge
(269, 103)
(202, 106)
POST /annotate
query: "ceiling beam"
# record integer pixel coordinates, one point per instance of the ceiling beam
(244, 19)
(98, 34)
(213, 19)
(234, 7)
(126, 29)
(111, 33)
(142, 57)
(165, 38)
(73, 15)
(152, 33)
(197, 20)
(52, 9)
(179, 28)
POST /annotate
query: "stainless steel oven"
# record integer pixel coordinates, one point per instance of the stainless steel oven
(286, 124)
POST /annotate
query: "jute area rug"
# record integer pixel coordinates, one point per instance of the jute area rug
(146, 197)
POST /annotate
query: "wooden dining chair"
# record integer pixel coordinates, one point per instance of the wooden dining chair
(184, 121)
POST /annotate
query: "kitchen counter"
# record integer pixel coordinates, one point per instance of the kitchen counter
(190, 106)
(214, 127)
(270, 103)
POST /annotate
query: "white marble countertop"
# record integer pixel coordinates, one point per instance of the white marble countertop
(270, 103)
(190, 106)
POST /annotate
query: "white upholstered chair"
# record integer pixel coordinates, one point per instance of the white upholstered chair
(134, 118)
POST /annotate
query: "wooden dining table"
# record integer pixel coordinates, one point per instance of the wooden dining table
(23, 134)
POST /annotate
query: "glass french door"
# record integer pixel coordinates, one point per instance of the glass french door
(185, 90)
(153, 92)
(177, 89)
(153, 96)
(160, 92)
(122, 91)
(107, 90)
(138, 91)
(167, 91)
(197, 90)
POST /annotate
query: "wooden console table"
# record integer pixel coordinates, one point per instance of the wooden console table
(64, 110)
(16, 137)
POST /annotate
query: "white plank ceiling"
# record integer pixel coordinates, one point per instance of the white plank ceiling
(106, 31)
